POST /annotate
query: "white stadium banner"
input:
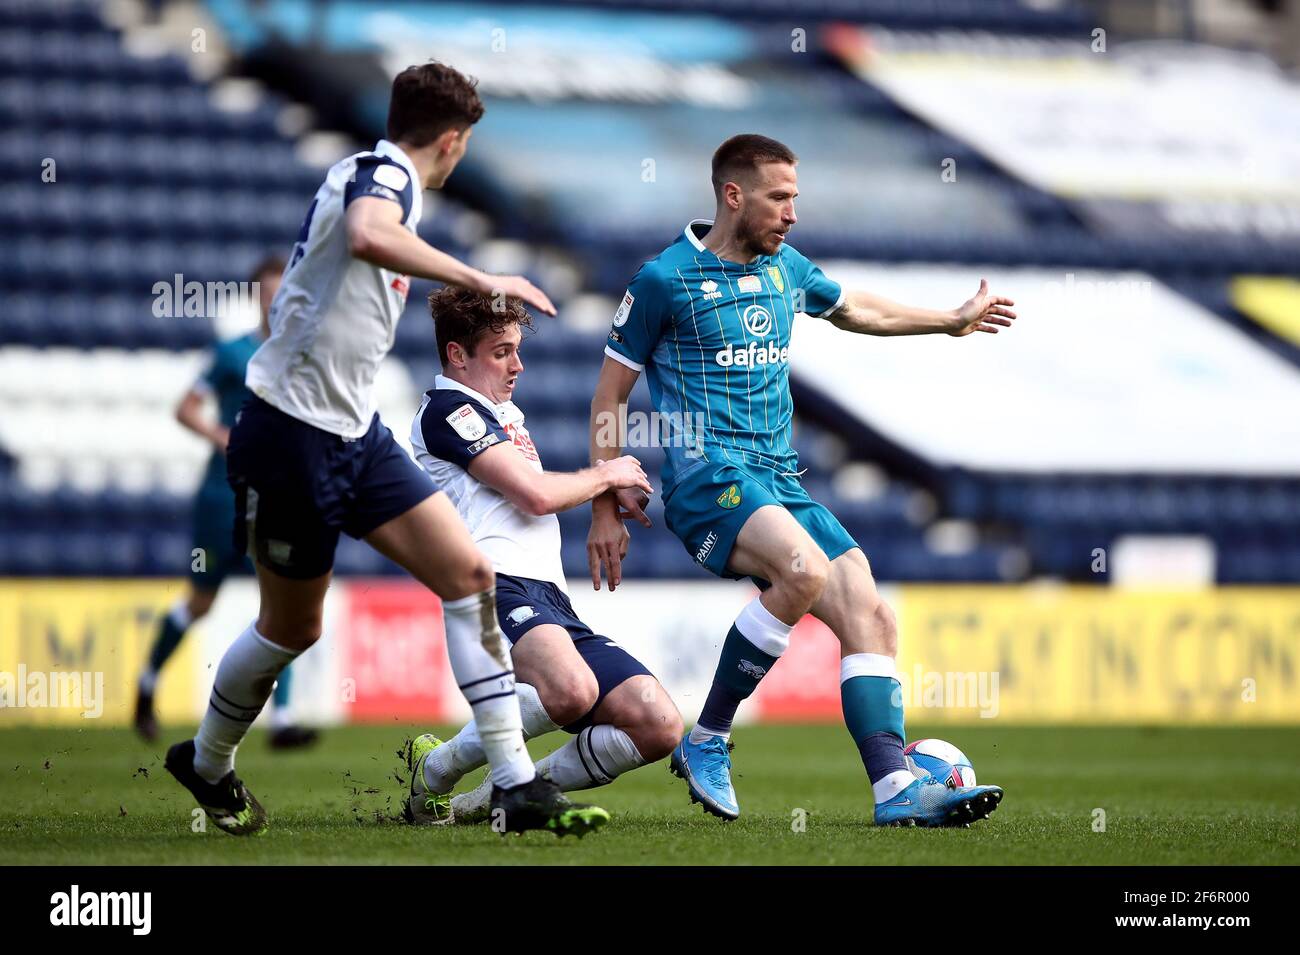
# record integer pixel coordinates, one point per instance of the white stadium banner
(1088, 118)
(1102, 372)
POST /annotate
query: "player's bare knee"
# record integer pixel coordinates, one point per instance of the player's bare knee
(473, 577)
(658, 733)
(884, 624)
(805, 579)
(570, 696)
(480, 576)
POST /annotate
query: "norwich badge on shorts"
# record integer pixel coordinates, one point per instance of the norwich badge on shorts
(729, 498)
(779, 282)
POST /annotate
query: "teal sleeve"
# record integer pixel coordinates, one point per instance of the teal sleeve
(642, 315)
(818, 293)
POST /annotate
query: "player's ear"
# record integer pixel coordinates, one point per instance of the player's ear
(449, 140)
(732, 195)
(456, 354)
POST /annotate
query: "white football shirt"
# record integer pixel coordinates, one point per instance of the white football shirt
(453, 426)
(335, 317)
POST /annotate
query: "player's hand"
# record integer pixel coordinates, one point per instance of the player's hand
(221, 438)
(516, 286)
(625, 473)
(631, 505)
(984, 313)
(606, 546)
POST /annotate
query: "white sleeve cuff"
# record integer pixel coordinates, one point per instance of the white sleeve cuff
(623, 359)
(838, 302)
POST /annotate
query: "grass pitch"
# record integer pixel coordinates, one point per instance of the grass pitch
(1169, 796)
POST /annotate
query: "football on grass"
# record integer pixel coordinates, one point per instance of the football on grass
(941, 760)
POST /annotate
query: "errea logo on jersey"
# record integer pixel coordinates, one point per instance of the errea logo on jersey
(710, 289)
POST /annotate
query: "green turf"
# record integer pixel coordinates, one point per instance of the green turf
(1170, 796)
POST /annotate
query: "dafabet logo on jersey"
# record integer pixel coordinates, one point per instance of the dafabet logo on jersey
(729, 498)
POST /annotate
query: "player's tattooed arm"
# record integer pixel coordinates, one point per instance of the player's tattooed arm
(868, 314)
(376, 235)
(504, 469)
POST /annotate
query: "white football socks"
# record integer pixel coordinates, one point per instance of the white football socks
(613, 748)
(480, 660)
(463, 753)
(245, 678)
(595, 757)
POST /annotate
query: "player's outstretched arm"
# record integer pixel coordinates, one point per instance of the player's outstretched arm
(868, 314)
(608, 539)
(376, 235)
(504, 469)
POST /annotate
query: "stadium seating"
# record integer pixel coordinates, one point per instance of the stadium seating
(153, 179)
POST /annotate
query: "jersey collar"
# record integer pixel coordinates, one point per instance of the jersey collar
(396, 154)
(694, 240)
(507, 412)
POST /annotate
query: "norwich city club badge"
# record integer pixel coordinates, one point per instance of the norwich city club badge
(729, 498)
(775, 274)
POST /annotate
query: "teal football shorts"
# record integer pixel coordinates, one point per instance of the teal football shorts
(707, 509)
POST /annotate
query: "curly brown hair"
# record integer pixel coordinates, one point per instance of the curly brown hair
(466, 317)
(428, 100)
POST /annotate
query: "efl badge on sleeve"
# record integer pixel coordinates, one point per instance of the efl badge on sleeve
(624, 310)
(469, 424)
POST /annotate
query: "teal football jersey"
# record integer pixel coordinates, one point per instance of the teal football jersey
(713, 338)
(224, 378)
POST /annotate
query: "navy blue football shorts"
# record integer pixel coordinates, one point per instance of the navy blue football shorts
(523, 603)
(296, 487)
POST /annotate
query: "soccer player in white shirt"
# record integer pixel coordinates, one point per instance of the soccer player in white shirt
(469, 435)
(308, 457)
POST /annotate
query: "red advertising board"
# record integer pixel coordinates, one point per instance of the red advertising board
(805, 683)
(394, 650)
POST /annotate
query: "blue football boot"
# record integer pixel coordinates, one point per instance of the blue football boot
(928, 802)
(706, 767)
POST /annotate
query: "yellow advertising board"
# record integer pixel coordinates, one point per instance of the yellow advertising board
(71, 651)
(1101, 655)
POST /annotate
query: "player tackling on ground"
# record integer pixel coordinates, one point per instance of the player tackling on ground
(709, 320)
(470, 437)
(308, 457)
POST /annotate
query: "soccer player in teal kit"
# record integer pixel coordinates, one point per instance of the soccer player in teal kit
(709, 321)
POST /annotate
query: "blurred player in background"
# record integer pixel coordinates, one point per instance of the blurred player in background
(309, 458)
(469, 435)
(710, 320)
(214, 515)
